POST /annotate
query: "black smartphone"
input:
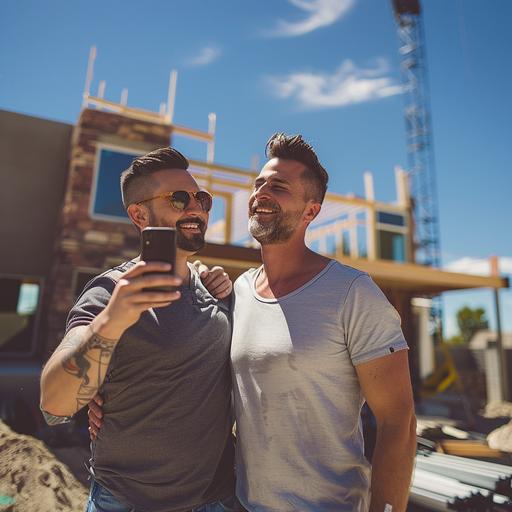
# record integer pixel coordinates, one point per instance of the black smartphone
(159, 244)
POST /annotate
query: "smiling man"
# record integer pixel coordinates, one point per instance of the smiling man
(160, 358)
(312, 340)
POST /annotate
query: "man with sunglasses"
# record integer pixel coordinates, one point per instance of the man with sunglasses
(161, 360)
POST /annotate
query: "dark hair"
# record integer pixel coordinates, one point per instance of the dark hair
(145, 165)
(294, 147)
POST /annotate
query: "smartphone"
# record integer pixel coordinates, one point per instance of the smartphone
(159, 244)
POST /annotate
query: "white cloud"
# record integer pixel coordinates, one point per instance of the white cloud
(206, 56)
(347, 85)
(479, 266)
(321, 13)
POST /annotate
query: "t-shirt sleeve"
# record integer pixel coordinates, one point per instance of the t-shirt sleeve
(371, 324)
(91, 302)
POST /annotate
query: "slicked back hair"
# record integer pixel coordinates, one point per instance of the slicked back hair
(294, 147)
(146, 165)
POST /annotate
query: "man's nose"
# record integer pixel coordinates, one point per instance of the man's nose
(261, 191)
(193, 205)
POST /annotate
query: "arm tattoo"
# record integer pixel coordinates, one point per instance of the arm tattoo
(88, 361)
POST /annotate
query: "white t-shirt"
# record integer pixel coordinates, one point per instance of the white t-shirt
(297, 396)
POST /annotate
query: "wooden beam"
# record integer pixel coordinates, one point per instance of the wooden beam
(417, 279)
(422, 278)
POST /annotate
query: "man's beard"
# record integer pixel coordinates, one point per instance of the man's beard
(188, 243)
(277, 230)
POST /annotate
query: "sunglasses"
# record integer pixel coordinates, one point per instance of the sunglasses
(181, 199)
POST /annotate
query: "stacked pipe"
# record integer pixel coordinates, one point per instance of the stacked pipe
(445, 482)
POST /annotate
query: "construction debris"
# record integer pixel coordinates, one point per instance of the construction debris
(32, 479)
(424, 424)
(444, 482)
(498, 409)
(501, 438)
(469, 448)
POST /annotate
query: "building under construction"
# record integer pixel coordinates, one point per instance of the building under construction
(61, 188)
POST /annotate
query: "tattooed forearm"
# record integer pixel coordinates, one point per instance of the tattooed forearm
(74, 373)
(88, 362)
(78, 363)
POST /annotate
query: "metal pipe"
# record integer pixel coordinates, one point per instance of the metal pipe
(487, 481)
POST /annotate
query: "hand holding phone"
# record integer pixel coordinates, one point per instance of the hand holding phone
(140, 288)
(159, 244)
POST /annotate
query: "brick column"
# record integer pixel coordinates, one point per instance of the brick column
(82, 241)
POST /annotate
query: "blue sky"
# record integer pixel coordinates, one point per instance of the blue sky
(285, 65)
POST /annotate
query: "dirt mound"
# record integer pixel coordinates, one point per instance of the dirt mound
(33, 480)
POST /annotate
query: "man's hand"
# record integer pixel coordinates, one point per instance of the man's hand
(95, 415)
(131, 298)
(216, 281)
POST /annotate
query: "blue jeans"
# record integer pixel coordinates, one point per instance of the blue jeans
(101, 500)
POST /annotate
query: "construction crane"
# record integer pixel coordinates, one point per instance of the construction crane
(420, 151)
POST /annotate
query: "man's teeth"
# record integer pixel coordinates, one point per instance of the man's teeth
(263, 210)
(189, 225)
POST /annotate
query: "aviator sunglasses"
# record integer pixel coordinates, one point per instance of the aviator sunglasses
(180, 199)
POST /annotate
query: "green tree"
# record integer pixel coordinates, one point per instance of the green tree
(470, 321)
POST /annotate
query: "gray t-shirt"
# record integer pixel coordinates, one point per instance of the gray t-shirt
(297, 396)
(165, 444)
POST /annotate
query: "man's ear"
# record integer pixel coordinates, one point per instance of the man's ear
(311, 211)
(139, 215)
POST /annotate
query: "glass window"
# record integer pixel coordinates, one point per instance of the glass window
(362, 249)
(390, 218)
(18, 306)
(346, 242)
(107, 197)
(28, 298)
(392, 246)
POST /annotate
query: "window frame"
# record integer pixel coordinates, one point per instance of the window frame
(34, 339)
(100, 146)
(394, 229)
